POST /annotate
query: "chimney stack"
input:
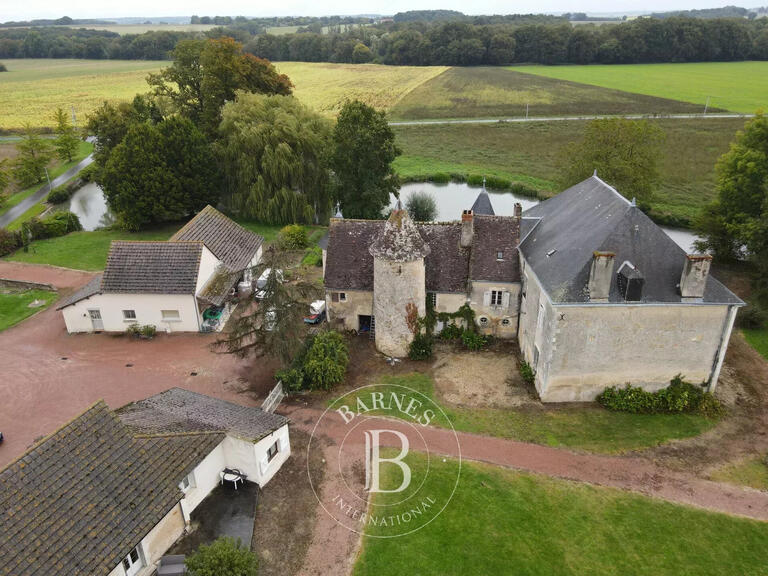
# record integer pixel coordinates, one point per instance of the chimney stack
(467, 230)
(695, 273)
(518, 210)
(600, 276)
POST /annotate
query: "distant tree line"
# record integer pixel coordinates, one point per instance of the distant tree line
(448, 39)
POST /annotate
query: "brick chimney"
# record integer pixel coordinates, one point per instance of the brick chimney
(518, 210)
(695, 273)
(467, 230)
(600, 276)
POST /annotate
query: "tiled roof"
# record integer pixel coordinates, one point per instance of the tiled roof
(349, 265)
(400, 240)
(177, 410)
(93, 287)
(592, 216)
(231, 243)
(81, 499)
(152, 267)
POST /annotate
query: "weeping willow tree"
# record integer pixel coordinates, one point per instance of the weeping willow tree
(274, 152)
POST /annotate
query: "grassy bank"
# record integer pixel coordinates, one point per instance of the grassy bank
(736, 86)
(589, 428)
(758, 339)
(496, 92)
(533, 153)
(509, 523)
(752, 472)
(15, 307)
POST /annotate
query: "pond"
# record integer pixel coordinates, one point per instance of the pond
(91, 207)
(454, 197)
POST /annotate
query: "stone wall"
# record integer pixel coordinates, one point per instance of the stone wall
(501, 321)
(395, 286)
(358, 303)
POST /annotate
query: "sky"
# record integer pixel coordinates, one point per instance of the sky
(29, 9)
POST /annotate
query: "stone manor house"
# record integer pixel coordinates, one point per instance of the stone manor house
(595, 293)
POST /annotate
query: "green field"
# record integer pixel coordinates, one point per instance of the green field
(14, 307)
(494, 92)
(735, 86)
(533, 153)
(752, 472)
(758, 339)
(503, 522)
(32, 89)
(590, 428)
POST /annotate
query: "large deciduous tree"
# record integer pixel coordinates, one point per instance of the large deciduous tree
(159, 172)
(362, 161)
(273, 151)
(206, 73)
(34, 155)
(738, 218)
(625, 153)
(66, 141)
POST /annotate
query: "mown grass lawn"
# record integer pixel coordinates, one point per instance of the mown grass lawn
(534, 153)
(590, 428)
(502, 522)
(758, 339)
(736, 86)
(752, 472)
(497, 92)
(14, 307)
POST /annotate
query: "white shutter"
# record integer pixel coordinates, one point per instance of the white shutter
(505, 300)
(487, 298)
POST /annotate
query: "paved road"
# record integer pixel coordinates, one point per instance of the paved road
(41, 193)
(712, 116)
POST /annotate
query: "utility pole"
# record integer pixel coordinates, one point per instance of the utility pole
(47, 178)
(74, 118)
(706, 105)
(526, 110)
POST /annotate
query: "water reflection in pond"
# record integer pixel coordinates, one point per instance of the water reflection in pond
(454, 197)
(91, 207)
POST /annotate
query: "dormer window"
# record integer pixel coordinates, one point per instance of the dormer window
(499, 255)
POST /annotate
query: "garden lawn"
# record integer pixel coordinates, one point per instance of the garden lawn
(496, 92)
(84, 250)
(752, 472)
(758, 339)
(503, 522)
(735, 86)
(589, 428)
(533, 153)
(14, 307)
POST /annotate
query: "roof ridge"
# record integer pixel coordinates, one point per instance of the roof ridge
(98, 404)
(142, 436)
(611, 188)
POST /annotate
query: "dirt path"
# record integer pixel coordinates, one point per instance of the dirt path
(628, 473)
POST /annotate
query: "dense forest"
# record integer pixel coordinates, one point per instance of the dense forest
(430, 38)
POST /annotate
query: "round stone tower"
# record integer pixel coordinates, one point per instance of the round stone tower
(399, 288)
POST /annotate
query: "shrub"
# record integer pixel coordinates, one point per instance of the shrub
(292, 379)
(9, 241)
(527, 373)
(440, 178)
(678, 397)
(472, 340)
(88, 174)
(451, 331)
(750, 317)
(60, 194)
(55, 225)
(136, 330)
(420, 348)
(148, 331)
(293, 237)
(313, 257)
(223, 557)
(326, 361)
(3, 68)
(422, 206)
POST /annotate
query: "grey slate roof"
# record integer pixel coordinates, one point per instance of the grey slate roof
(591, 216)
(93, 287)
(231, 243)
(178, 411)
(81, 499)
(152, 267)
(349, 265)
(483, 204)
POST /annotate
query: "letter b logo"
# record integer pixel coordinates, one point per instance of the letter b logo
(373, 460)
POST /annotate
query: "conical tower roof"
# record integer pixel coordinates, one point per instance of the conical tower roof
(400, 240)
